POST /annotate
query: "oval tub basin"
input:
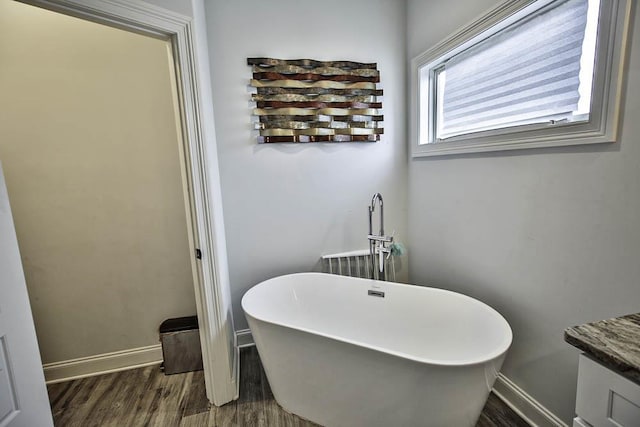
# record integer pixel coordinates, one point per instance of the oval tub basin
(338, 356)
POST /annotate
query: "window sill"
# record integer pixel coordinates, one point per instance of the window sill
(568, 135)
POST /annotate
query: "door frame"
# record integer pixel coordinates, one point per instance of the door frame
(219, 349)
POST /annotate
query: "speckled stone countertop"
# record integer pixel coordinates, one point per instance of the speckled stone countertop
(615, 343)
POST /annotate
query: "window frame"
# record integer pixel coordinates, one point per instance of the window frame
(603, 123)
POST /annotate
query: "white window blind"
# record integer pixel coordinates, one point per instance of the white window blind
(526, 73)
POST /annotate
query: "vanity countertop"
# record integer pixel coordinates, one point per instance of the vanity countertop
(615, 343)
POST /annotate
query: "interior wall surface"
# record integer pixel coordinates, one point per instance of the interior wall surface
(550, 238)
(90, 144)
(285, 205)
(182, 7)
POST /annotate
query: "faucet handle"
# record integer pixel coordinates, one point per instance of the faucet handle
(384, 239)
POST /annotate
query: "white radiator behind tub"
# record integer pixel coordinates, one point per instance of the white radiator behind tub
(357, 264)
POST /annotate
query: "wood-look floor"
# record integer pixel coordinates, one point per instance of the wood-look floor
(147, 397)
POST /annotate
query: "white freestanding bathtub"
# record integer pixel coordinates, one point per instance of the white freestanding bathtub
(338, 356)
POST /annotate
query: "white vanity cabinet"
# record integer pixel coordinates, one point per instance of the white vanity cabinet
(605, 398)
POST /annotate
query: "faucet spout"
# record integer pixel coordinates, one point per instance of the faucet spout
(377, 242)
(372, 208)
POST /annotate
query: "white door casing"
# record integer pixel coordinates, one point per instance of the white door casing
(217, 338)
(23, 394)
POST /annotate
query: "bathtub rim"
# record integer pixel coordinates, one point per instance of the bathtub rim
(493, 355)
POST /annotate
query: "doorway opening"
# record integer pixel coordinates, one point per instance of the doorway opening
(188, 165)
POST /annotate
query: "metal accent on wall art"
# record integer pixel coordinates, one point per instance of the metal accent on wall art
(304, 100)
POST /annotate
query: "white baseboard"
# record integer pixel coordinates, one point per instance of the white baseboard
(244, 338)
(102, 364)
(524, 405)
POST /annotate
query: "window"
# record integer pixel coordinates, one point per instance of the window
(529, 74)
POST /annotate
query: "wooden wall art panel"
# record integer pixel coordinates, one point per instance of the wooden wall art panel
(304, 100)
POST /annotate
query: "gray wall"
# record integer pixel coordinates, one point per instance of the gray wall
(183, 7)
(285, 205)
(550, 238)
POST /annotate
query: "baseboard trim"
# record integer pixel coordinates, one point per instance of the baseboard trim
(532, 411)
(244, 338)
(102, 364)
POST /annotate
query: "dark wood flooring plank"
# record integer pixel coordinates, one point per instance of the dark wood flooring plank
(195, 400)
(87, 396)
(59, 403)
(194, 406)
(79, 405)
(147, 397)
(103, 409)
(57, 390)
(251, 407)
(202, 419)
(497, 414)
(152, 401)
(68, 397)
(167, 409)
(119, 403)
(134, 396)
(140, 399)
(226, 415)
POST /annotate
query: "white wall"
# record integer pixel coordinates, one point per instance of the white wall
(285, 205)
(183, 7)
(89, 142)
(550, 238)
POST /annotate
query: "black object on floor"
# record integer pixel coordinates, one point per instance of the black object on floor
(181, 351)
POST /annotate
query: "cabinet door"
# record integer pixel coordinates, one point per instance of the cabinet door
(23, 395)
(606, 398)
